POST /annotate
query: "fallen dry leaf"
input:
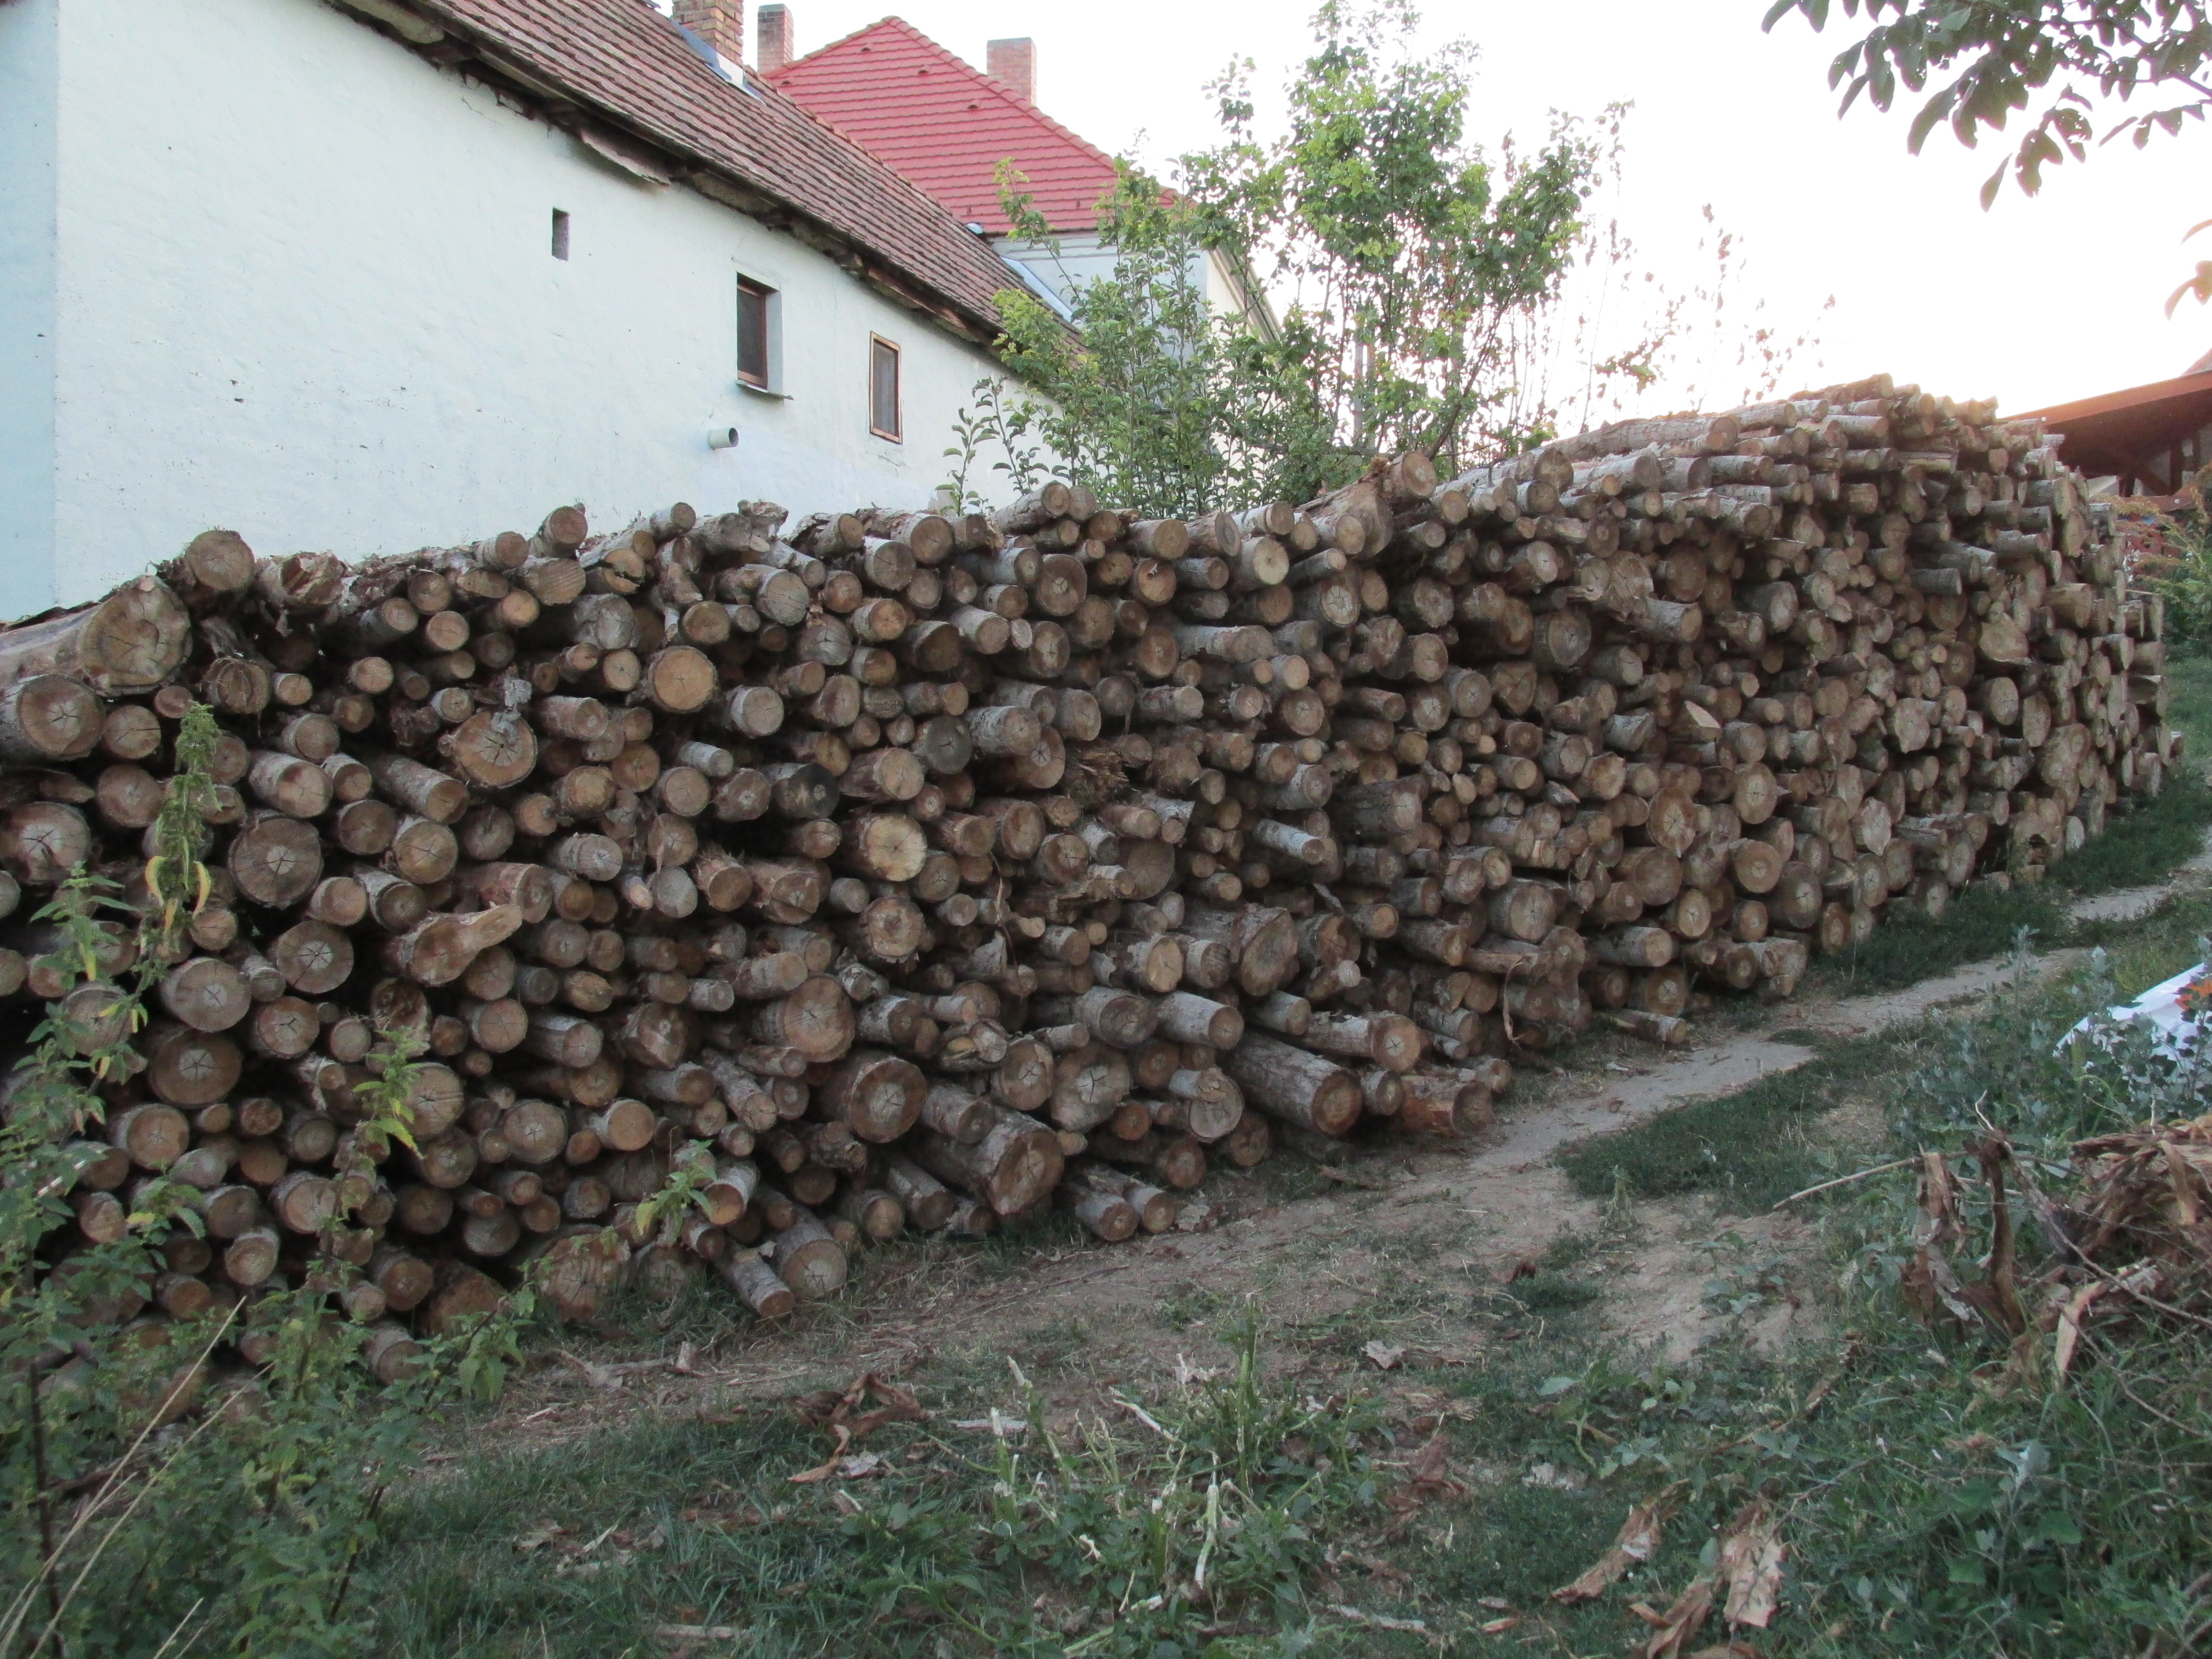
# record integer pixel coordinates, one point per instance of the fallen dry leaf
(1428, 1468)
(1428, 1478)
(835, 1412)
(1750, 1563)
(824, 1471)
(895, 1405)
(2070, 1317)
(532, 1541)
(697, 1632)
(1385, 1356)
(1498, 1627)
(1998, 1294)
(1638, 1538)
(721, 1520)
(1675, 1627)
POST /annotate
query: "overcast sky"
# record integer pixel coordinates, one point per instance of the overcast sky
(2037, 301)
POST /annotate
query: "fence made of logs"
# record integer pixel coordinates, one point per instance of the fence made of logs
(916, 870)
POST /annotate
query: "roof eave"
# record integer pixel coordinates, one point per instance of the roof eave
(432, 32)
(2129, 398)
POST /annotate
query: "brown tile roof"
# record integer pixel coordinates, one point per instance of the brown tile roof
(625, 63)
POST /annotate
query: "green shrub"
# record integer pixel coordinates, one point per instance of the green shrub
(160, 1497)
(2184, 577)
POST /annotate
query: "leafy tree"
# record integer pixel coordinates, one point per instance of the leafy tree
(1159, 404)
(1411, 255)
(1416, 267)
(1980, 62)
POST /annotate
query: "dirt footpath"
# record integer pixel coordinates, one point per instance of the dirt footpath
(1403, 1248)
(1409, 1228)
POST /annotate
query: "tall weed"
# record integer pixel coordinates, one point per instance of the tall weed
(159, 1495)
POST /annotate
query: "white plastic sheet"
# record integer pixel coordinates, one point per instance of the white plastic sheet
(2165, 1008)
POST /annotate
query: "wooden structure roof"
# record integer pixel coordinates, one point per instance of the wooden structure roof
(2151, 437)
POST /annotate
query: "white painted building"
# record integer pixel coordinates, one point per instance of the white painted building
(368, 276)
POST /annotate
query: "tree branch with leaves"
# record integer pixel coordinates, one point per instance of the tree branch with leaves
(1981, 62)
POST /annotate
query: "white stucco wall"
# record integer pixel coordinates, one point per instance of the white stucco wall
(29, 39)
(305, 291)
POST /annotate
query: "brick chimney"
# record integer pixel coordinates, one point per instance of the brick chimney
(720, 23)
(1013, 64)
(772, 47)
(773, 38)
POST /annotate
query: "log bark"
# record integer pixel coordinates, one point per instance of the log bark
(1016, 1163)
(877, 1096)
(130, 642)
(1295, 1086)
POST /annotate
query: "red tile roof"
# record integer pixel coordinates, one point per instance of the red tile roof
(946, 126)
(623, 63)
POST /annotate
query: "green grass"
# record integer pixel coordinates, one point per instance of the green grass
(1197, 1521)
(1977, 926)
(1762, 1142)
(1923, 1512)
(1933, 1501)
(1547, 1292)
(1752, 1147)
(1948, 1498)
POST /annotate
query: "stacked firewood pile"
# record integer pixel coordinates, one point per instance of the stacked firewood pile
(915, 870)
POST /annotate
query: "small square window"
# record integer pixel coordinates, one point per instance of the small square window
(883, 389)
(560, 234)
(753, 354)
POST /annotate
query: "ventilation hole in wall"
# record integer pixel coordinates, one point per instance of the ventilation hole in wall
(560, 234)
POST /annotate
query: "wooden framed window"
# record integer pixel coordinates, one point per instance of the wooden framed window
(883, 389)
(754, 357)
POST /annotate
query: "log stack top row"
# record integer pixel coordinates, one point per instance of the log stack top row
(917, 869)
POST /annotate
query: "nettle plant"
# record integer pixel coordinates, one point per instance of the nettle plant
(159, 1491)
